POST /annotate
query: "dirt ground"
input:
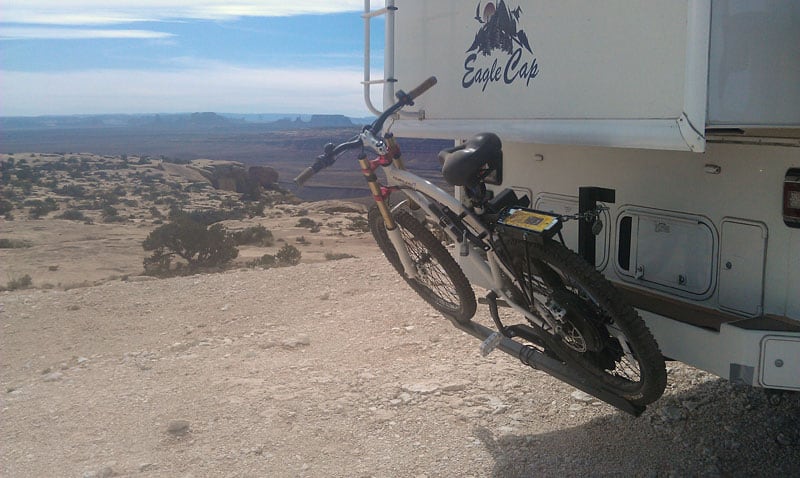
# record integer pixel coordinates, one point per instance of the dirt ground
(331, 369)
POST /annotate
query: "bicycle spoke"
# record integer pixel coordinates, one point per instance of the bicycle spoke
(430, 272)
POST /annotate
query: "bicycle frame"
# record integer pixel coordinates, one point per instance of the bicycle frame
(432, 199)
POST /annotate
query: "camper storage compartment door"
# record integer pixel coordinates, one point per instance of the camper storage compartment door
(610, 73)
(670, 252)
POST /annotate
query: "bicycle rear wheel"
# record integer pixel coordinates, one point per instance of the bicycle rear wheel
(599, 332)
(440, 281)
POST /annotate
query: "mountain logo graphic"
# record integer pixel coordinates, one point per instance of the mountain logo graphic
(499, 32)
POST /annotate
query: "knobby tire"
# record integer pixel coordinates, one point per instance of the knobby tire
(440, 280)
(638, 374)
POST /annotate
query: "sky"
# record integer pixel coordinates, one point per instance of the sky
(62, 57)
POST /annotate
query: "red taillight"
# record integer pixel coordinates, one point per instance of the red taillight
(791, 198)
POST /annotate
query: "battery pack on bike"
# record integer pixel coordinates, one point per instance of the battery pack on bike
(527, 225)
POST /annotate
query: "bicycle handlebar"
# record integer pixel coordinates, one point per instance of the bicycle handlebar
(422, 88)
(304, 176)
(329, 156)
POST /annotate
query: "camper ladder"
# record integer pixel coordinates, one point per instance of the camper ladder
(388, 80)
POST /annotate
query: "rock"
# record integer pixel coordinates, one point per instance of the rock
(581, 396)
(383, 415)
(671, 413)
(455, 386)
(301, 340)
(423, 388)
(575, 407)
(506, 430)
(178, 427)
(106, 472)
(264, 176)
(53, 377)
(141, 278)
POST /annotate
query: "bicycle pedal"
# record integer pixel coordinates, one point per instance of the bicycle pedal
(490, 343)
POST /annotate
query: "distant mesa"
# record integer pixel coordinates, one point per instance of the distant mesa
(184, 122)
(315, 122)
(207, 119)
(329, 121)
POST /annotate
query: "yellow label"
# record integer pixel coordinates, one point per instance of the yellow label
(532, 221)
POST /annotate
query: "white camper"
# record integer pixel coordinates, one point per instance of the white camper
(681, 117)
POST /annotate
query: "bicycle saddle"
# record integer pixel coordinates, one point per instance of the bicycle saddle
(469, 163)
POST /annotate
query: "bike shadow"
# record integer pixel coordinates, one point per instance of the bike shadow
(712, 429)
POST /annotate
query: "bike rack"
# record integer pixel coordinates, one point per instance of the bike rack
(539, 361)
(388, 79)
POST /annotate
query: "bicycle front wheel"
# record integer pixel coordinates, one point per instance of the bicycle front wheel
(439, 279)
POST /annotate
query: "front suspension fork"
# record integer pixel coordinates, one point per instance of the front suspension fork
(380, 195)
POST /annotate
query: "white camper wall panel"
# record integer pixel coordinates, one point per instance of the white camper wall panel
(614, 73)
(754, 66)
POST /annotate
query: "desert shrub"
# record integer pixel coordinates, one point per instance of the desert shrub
(114, 219)
(358, 224)
(199, 245)
(301, 240)
(23, 282)
(254, 235)
(229, 203)
(335, 256)
(26, 186)
(72, 215)
(156, 213)
(26, 173)
(207, 216)
(50, 183)
(266, 261)
(300, 212)
(196, 187)
(14, 243)
(39, 208)
(307, 222)
(72, 190)
(108, 210)
(111, 214)
(256, 208)
(288, 255)
(6, 206)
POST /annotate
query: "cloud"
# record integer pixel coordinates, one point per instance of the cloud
(25, 33)
(105, 12)
(211, 87)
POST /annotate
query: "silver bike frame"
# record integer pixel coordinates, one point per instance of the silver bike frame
(487, 271)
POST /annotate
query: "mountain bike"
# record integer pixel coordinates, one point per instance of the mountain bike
(570, 321)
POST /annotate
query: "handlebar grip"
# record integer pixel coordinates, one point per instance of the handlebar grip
(422, 88)
(304, 176)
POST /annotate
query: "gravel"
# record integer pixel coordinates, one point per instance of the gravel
(333, 369)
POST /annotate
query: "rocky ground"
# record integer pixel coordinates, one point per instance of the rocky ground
(332, 369)
(328, 368)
